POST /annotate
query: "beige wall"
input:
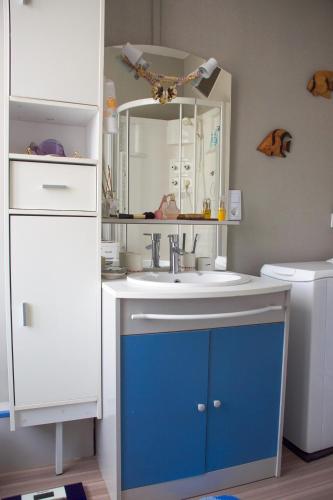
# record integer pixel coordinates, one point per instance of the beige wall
(271, 49)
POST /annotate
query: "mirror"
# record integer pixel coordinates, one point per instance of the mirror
(181, 147)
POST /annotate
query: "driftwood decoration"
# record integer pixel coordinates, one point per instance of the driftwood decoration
(276, 143)
(321, 84)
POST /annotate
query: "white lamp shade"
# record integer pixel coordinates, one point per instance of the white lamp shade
(208, 67)
(132, 53)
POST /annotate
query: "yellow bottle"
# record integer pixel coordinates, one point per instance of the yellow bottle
(221, 213)
(207, 212)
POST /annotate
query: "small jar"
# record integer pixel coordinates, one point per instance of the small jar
(114, 206)
(106, 202)
(110, 205)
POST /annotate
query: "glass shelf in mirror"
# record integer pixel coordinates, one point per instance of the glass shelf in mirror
(178, 222)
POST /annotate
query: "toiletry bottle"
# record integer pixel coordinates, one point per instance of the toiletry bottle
(160, 212)
(221, 211)
(110, 122)
(172, 211)
(207, 208)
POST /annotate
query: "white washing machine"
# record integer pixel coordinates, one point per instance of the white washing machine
(309, 391)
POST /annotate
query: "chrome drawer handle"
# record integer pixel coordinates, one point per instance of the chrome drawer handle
(217, 403)
(54, 186)
(201, 407)
(187, 317)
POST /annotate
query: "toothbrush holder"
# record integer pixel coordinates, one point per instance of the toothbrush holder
(187, 262)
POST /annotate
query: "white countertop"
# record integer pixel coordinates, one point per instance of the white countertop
(122, 289)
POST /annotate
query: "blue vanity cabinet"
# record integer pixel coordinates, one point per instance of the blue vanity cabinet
(245, 382)
(164, 377)
(235, 372)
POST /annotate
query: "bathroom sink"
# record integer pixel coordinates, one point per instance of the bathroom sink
(191, 279)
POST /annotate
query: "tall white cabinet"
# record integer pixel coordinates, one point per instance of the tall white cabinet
(54, 49)
(54, 52)
(53, 295)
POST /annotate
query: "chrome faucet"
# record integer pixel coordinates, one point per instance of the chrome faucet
(175, 253)
(154, 247)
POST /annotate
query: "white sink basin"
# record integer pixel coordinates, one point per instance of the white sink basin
(189, 280)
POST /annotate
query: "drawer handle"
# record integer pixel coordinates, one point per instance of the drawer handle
(186, 317)
(217, 403)
(54, 186)
(201, 407)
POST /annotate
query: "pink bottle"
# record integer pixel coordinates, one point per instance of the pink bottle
(160, 212)
(171, 211)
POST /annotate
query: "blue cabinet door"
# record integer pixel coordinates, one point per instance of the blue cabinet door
(245, 375)
(164, 377)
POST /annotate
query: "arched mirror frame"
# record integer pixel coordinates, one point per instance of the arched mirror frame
(220, 97)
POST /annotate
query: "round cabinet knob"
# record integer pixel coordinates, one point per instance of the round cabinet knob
(217, 403)
(201, 407)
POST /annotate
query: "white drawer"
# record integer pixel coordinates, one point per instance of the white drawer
(52, 186)
(130, 324)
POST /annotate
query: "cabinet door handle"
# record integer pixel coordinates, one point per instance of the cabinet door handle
(201, 407)
(217, 403)
(186, 317)
(24, 314)
(54, 186)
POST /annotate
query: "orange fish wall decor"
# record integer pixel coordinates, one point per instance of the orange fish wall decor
(276, 143)
(321, 84)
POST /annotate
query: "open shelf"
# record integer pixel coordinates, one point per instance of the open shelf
(52, 159)
(75, 126)
(182, 222)
(40, 111)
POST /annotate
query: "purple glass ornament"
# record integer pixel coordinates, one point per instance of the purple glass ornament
(48, 147)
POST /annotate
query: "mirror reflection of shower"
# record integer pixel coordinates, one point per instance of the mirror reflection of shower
(175, 151)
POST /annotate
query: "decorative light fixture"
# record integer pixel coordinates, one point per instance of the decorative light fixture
(164, 87)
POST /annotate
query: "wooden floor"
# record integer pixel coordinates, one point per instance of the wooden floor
(299, 481)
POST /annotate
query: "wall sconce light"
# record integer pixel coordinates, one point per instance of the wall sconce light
(164, 87)
(134, 55)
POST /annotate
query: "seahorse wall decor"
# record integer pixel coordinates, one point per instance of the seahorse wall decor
(276, 143)
(321, 84)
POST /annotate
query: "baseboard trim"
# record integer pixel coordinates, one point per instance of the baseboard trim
(205, 483)
(307, 457)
